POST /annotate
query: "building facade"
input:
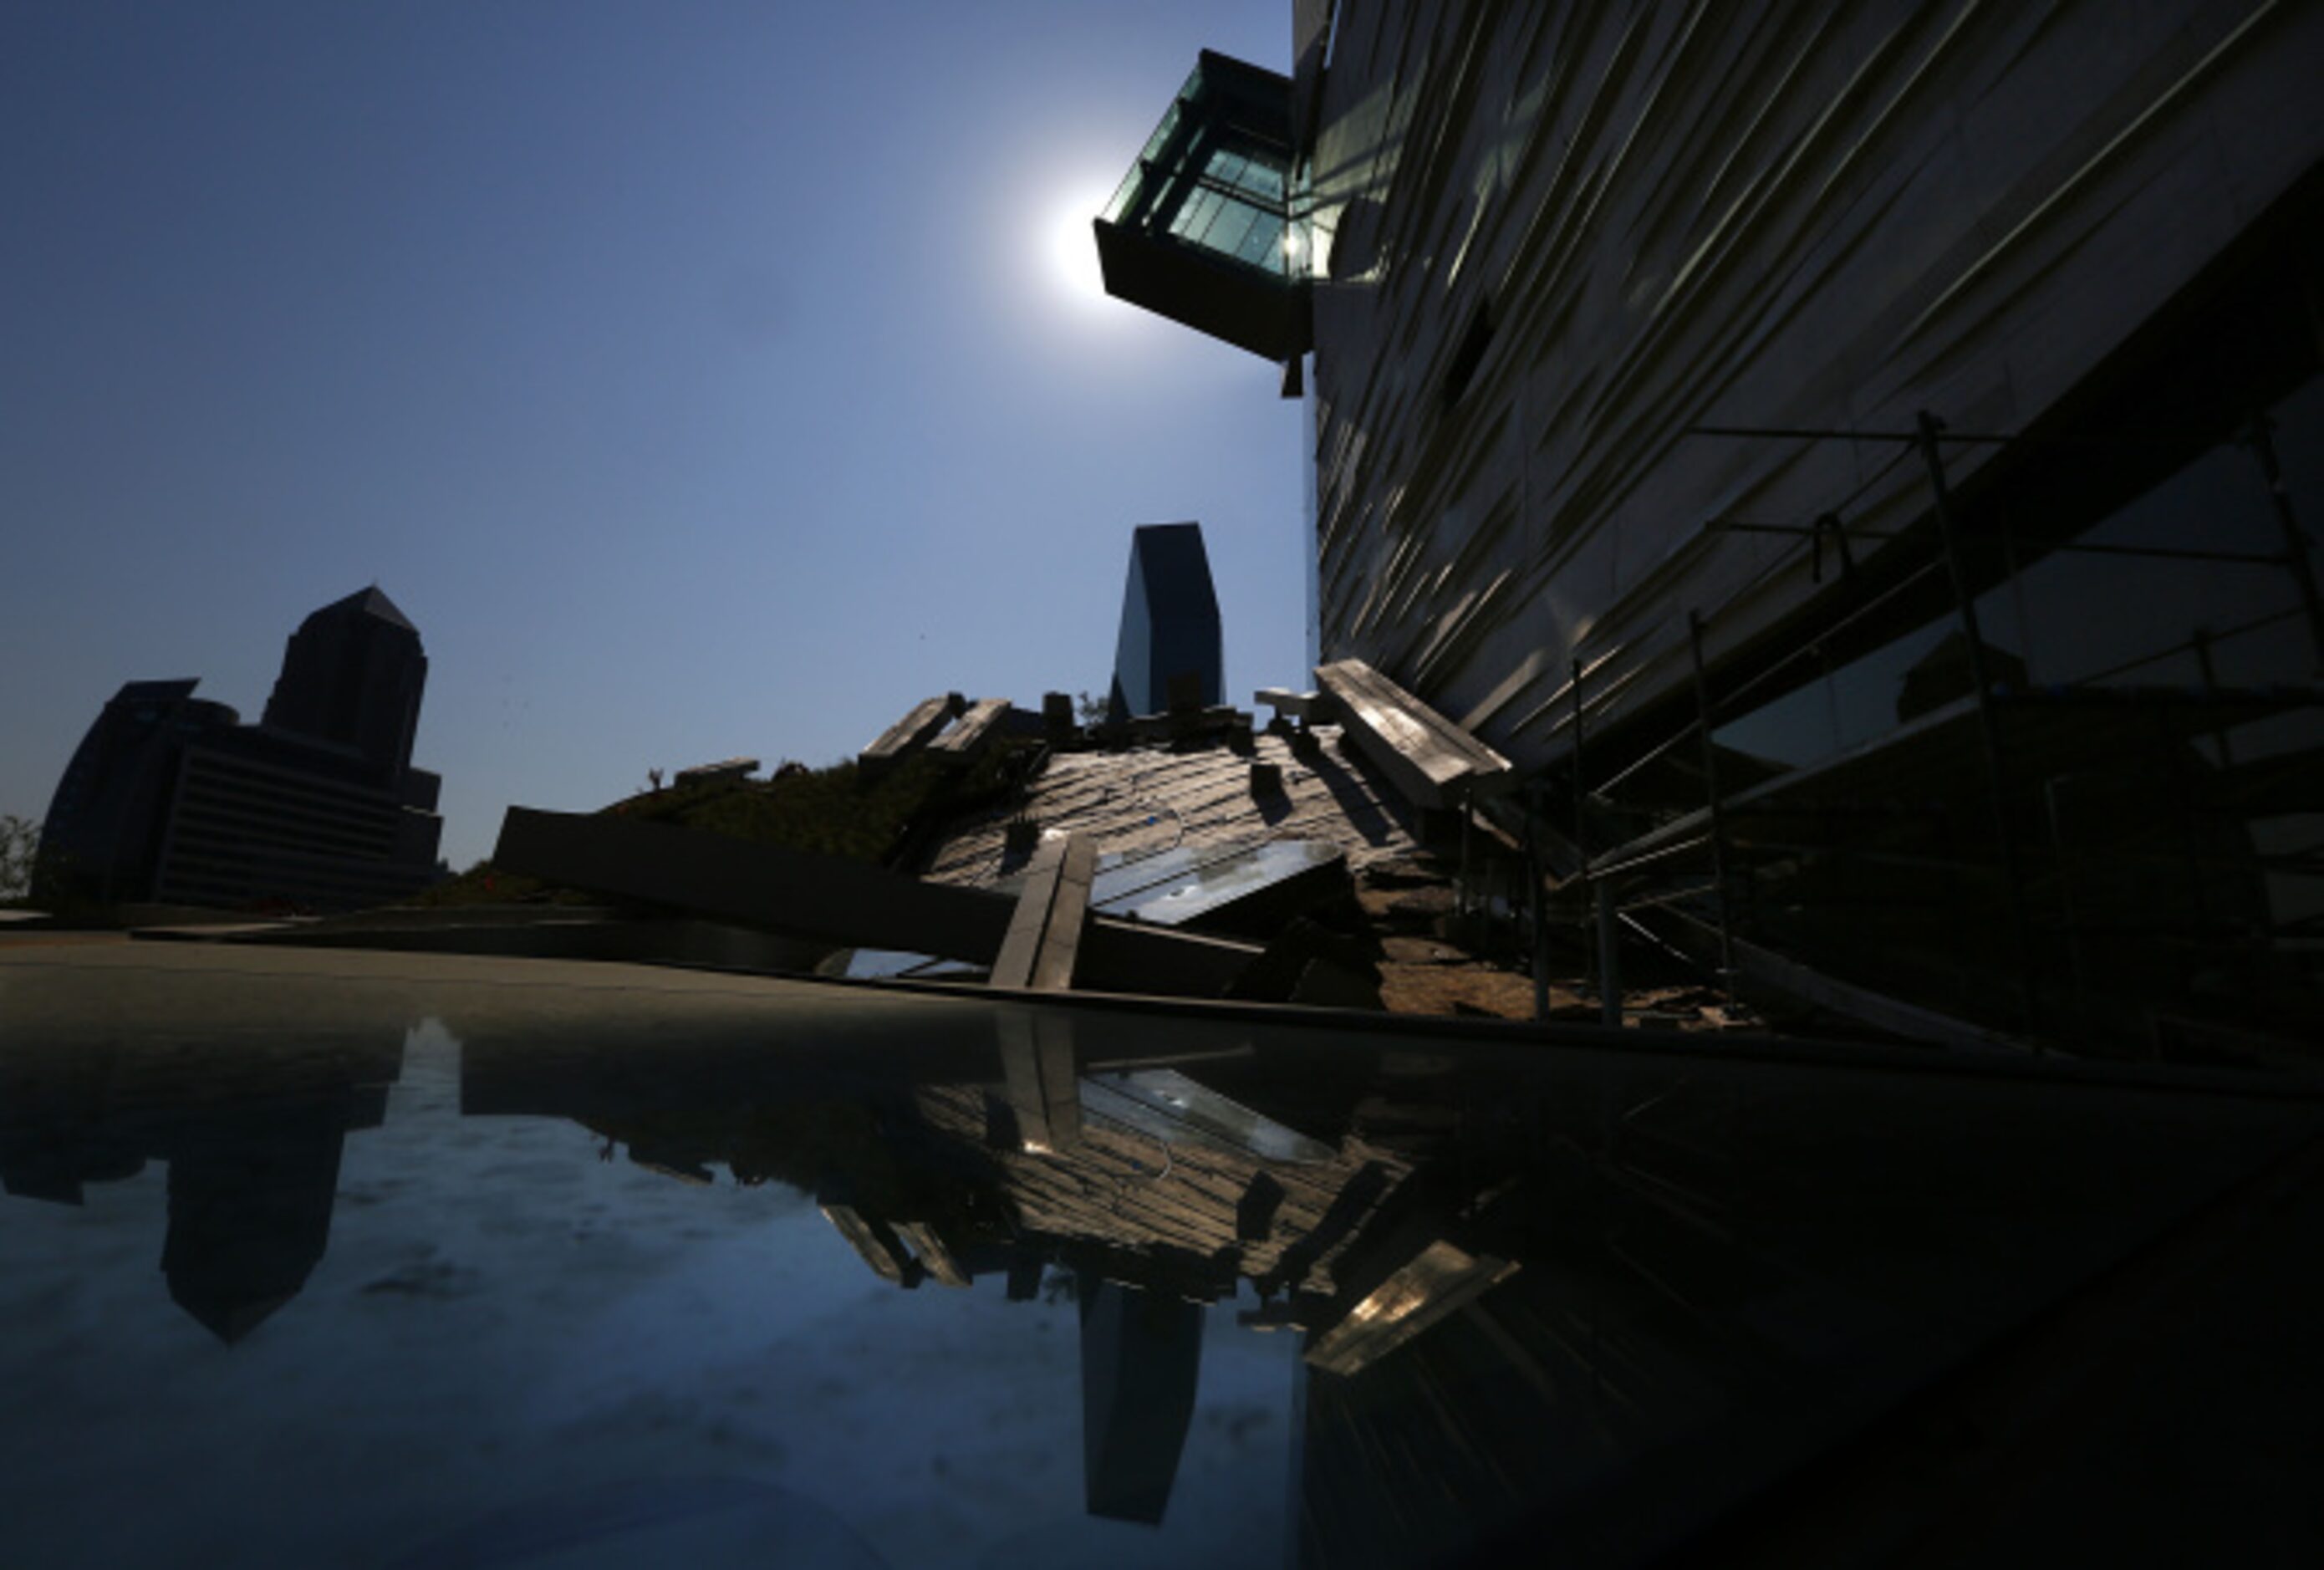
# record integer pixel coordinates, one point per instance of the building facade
(1169, 624)
(170, 799)
(1872, 449)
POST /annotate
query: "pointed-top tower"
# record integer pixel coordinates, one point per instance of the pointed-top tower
(1169, 623)
(352, 676)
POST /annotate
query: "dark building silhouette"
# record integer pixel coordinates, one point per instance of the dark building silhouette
(352, 676)
(1141, 1360)
(1169, 623)
(250, 1196)
(253, 1149)
(103, 834)
(1946, 673)
(169, 799)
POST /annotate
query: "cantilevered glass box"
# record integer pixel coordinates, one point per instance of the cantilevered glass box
(1201, 230)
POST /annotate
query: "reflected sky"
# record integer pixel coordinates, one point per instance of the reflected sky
(507, 1322)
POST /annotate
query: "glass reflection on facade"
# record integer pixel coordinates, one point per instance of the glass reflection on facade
(2158, 736)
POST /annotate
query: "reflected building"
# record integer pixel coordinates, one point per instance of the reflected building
(1157, 1193)
(252, 1153)
(1821, 388)
(169, 799)
(1141, 1360)
(1625, 1301)
(250, 1207)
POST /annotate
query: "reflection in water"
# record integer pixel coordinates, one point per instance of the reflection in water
(1037, 1064)
(252, 1138)
(1607, 1296)
(250, 1212)
(1155, 1193)
(1141, 1357)
(1520, 1282)
(1527, 1287)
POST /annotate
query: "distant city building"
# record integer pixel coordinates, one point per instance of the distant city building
(170, 799)
(1169, 623)
(352, 677)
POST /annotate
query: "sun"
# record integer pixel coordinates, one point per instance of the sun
(1072, 246)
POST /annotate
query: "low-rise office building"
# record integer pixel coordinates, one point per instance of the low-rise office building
(170, 799)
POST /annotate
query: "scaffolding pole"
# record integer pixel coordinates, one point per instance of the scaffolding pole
(1718, 828)
(2295, 541)
(1606, 935)
(1536, 906)
(1932, 430)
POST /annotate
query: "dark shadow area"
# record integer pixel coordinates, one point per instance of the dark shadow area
(1369, 812)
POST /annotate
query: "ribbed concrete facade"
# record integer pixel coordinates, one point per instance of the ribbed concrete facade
(1554, 237)
(1859, 464)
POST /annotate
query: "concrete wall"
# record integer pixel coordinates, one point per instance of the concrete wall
(1766, 214)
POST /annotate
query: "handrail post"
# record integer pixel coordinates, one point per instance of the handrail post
(1718, 830)
(1988, 723)
(1609, 959)
(2295, 542)
(1581, 840)
(1536, 905)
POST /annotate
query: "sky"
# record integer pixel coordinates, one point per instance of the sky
(702, 379)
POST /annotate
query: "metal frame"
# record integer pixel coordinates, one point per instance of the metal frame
(1672, 847)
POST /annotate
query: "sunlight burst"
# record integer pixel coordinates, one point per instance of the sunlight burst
(1073, 246)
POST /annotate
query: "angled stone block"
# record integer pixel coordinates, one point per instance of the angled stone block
(1045, 932)
(978, 722)
(1432, 761)
(838, 901)
(908, 736)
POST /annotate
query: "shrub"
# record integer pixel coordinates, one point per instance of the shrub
(20, 842)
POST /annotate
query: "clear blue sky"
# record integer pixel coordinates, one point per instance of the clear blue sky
(702, 379)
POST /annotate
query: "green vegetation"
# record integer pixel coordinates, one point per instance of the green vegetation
(19, 842)
(832, 811)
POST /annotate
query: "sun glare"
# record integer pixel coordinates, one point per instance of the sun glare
(1073, 246)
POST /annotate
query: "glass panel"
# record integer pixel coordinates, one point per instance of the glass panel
(1234, 224)
(1225, 197)
(2299, 434)
(2094, 616)
(1263, 246)
(1194, 220)
(1126, 194)
(2156, 758)
(1214, 174)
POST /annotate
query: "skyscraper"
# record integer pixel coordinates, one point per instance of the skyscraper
(1169, 623)
(170, 799)
(352, 677)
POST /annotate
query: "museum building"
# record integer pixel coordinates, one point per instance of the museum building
(1859, 464)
